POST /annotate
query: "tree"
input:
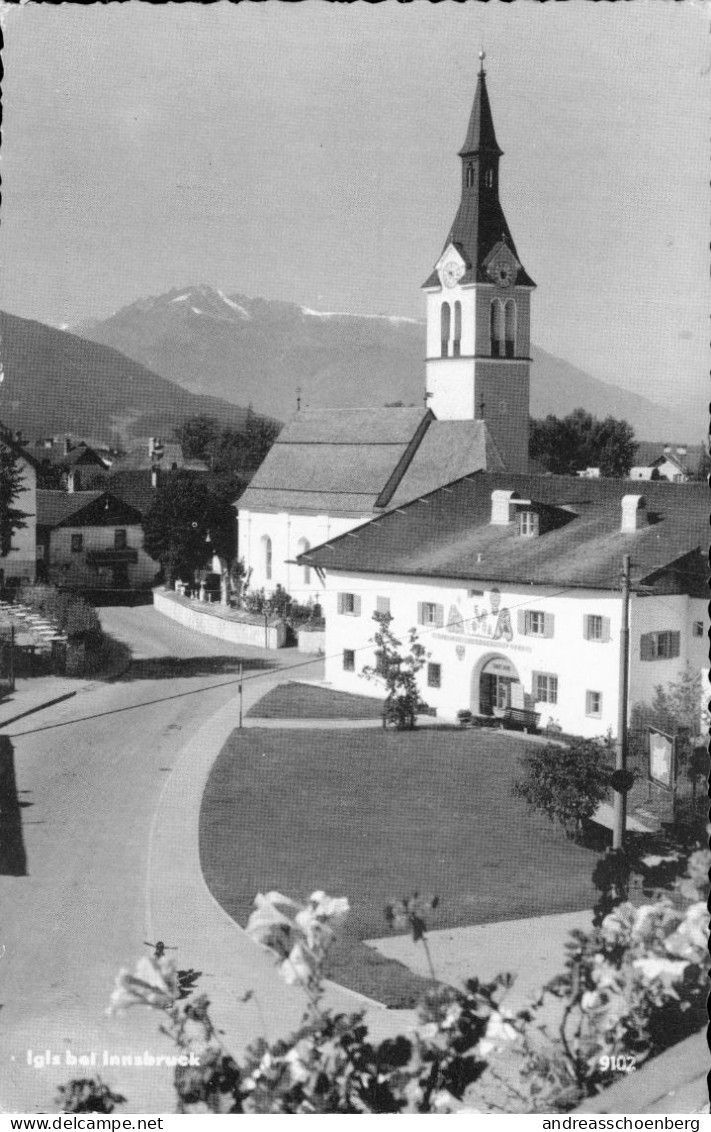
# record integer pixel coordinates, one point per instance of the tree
(567, 445)
(196, 435)
(398, 671)
(232, 454)
(567, 784)
(186, 525)
(12, 482)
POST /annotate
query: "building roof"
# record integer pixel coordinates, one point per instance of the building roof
(480, 223)
(448, 534)
(56, 456)
(81, 508)
(354, 462)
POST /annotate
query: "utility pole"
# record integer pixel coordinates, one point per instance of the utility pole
(241, 672)
(620, 797)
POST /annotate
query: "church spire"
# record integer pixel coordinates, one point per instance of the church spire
(480, 227)
(480, 135)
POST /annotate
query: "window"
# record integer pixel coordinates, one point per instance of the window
(349, 660)
(527, 523)
(382, 604)
(457, 341)
(349, 604)
(302, 548)
(698, 629)
(535, 623)
(496, 328)
(489, 178)
(381, 666)
(596, 628)
(267, 557)
(663, 645)
(510, 327)
(470, 176)
(545, 688)
(120, 540)
(429, 613)
(77, 543)
(593, 704)
(445, 328)
(434, 675)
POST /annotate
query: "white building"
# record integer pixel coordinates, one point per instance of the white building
(329, 471)
(513, 584)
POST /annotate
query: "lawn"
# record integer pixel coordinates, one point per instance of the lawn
(304, 701)
(374, 815)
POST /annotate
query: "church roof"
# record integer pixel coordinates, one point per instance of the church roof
(448, 534)
(356, 461)
(480, 223)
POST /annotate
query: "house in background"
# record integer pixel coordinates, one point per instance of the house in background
(58, 457)
(513, 583)
(154, 452)
(676, 463)
(91, 540)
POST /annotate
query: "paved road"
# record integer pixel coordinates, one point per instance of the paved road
(89, 790)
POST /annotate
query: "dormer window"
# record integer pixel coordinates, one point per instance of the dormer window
(528, 524)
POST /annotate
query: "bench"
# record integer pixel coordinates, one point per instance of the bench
(520, 717)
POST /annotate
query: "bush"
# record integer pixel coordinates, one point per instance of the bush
(567, 784)
(71, 613)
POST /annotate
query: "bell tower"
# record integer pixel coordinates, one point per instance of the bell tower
(478, 304)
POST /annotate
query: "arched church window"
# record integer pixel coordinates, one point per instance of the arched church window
(267, 557)
(497, 329)
(470, 176)
(446, 324)
(302, 548)
(457, 338)
(510, 327)
(489, 178)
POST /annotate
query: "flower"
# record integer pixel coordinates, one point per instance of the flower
(299, 934)
(689, 941)
(498, 1032)
(656, 967)
(154, 984)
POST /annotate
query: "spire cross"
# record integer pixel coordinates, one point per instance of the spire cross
(482, 57)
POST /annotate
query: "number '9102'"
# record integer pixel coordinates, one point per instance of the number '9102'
(623, 1063)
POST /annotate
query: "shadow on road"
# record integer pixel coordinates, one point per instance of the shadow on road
(177, 668)
(13, 859)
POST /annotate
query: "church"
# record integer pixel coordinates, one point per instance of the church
(332, 470)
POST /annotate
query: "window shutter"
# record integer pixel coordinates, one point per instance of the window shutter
(420, 613)
(341, 602)
(606, 629)
(548, 624)
(646, 646)
(382, 604)
(356, 605)
(675, 643)
(439, 616)
(586, 628)
(521, 619)
(534, 686)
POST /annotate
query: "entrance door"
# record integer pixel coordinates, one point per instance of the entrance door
(120, 576)
(494, 692)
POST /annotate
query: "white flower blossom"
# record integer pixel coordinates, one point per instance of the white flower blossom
(154, 984)
(668, 971)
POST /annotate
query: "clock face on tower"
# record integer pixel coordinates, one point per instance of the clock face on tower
(452, 272)
(502, 266)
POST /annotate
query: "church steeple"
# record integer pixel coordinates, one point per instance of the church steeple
(480, 224)
(478, 303)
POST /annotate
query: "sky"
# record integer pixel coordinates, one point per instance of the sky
(308, 152)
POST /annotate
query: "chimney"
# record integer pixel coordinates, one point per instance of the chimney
(73, 480)
(67, 445)
(681, 450)
(155, 447)
(634, 513)
(503, 507)
(155, 478)
(667, 449)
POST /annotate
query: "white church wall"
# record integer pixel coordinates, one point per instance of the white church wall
(288, 534)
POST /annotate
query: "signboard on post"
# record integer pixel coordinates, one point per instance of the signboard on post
(662, 768)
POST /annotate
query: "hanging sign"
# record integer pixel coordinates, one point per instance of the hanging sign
(661, 759)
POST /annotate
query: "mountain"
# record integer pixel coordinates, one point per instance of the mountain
(56, 382)
(260, 352)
